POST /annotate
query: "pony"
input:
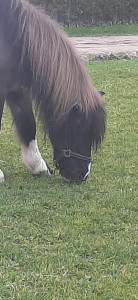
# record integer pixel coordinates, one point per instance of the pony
(39, 64)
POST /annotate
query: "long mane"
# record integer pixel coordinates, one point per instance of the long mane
(56, 67)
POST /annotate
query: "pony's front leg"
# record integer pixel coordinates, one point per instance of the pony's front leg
(33, 160)
(24, 120)
(1, 112)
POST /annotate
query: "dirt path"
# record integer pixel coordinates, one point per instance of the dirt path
(106, 44)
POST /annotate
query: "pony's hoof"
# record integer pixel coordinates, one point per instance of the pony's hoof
(40, 169)
(42, 173)
(1, 177)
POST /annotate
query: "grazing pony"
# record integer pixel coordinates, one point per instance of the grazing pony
(37, 61)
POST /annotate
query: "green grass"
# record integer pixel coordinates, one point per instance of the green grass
(61, 241)
(102, 30)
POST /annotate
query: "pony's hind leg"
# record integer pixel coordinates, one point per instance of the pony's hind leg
(1, 109)
(1, 112)
(1, 176)
(23, 117)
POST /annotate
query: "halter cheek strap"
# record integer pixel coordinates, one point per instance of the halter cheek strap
(69, 153)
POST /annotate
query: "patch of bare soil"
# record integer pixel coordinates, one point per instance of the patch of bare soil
(95, 45)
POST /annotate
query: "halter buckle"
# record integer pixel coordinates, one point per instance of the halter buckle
(67, 153)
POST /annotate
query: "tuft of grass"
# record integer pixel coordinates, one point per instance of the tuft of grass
(66, 241)
(101, 30)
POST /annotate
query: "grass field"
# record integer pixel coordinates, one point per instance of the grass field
(61, 241)
(102, 30)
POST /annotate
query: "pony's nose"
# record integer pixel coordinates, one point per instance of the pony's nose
(84, 175)
(75, 175)
(81, 177)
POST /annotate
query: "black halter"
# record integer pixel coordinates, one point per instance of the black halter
(69, 153)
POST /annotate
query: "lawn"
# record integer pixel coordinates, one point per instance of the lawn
(102, 30)
(61, 241)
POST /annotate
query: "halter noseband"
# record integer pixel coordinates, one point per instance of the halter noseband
(69, 153)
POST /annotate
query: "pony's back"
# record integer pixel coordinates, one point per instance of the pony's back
(56, 67)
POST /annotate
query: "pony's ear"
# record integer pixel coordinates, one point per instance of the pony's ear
(102, 93)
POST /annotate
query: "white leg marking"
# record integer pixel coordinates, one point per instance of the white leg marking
(89, 168)
(33, 159)
(1, 176)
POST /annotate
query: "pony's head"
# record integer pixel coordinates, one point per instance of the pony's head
(73, 142)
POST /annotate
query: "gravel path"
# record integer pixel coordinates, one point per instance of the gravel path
(115, 44)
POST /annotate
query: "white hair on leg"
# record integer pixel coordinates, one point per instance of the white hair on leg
(1, 176)
(33, 160)
(89, 168)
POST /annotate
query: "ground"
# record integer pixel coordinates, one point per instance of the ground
(92, 45)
